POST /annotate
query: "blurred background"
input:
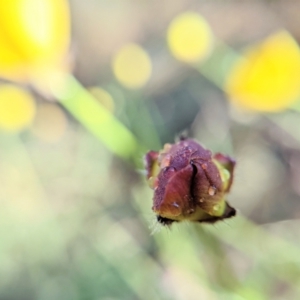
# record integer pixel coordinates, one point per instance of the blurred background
(87, 88)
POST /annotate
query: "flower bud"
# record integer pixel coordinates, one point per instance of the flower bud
(189, 183)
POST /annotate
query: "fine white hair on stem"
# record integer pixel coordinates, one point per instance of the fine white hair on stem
(155, 226)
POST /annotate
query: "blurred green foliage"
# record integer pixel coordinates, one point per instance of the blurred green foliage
(75, 218)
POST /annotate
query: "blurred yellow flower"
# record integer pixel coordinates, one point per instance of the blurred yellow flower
(17, 108)
(34, 37)
(189, 37)
(50, 122)
(132, 66)
(267, 78)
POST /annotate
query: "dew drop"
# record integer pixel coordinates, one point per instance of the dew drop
(212, 191)
(204, 166)
(166, 161)
(190, 211)
(216, 207)
(169, 170)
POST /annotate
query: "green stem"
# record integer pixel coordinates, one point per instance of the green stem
(96, 118)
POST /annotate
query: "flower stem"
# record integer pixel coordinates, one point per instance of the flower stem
(96, 118)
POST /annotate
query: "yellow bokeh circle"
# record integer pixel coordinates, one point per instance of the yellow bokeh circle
(267, 78)
(17, 108)
(132, 66)
(189, 37)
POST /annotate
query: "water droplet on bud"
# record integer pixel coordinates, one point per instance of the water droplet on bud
(190, 211)
(216, 207)
(204, 166)
(212, 191)
(166, 160)
(169, 170)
